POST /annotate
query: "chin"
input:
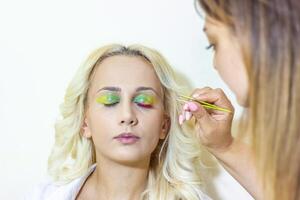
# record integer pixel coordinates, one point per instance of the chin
(243, 102)
(129, 158)
(132, 162)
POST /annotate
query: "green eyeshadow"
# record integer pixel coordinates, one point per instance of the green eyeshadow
(144, 100)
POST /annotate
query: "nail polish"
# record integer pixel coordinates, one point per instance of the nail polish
(181, 119)
(192, 106)
(188, 116)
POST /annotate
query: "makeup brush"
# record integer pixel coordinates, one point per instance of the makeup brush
(203, 103)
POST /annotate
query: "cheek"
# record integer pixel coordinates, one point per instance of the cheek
(220, 60)
(100, 123)
(233, 72)
(242, 89)
(223, 64)
(151, 127)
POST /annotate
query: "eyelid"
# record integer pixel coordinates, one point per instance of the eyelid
(104, 99)
(145, 96)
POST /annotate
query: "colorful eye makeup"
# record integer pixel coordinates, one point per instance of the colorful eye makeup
(108, 99)
(144, 100)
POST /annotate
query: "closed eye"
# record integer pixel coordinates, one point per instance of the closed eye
(108, 100)
(111, 104)
(213, 46)
(145, 105)
(144, 101)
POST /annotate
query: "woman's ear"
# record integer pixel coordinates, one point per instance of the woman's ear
(165, 127)
(86, 131)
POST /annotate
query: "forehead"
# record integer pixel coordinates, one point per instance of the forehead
(213, 26)
(125, 72)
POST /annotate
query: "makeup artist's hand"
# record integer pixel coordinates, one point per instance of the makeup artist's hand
(213, 127)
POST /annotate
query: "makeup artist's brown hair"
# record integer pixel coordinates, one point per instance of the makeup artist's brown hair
(269, 34)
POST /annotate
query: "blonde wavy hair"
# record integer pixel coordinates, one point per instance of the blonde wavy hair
(175, 164)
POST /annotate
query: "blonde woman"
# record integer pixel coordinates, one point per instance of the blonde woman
(257, 48)
(119, 137)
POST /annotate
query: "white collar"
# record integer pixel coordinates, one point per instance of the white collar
(71, 190)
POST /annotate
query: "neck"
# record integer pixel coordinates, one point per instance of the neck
(113, 180)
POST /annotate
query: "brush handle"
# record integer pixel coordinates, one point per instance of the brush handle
(205, 104)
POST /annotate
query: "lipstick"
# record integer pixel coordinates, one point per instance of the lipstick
(127, 138)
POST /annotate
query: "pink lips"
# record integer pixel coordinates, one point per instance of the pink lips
(127, 138)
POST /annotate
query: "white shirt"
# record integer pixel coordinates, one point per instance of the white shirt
(51, 191)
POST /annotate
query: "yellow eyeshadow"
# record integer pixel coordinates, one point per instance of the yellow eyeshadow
(108, 99)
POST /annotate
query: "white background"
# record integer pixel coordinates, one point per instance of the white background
(42, 43)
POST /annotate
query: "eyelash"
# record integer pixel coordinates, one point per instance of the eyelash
(144, 105)
(139, 104)
(110, 105)
(211, 46)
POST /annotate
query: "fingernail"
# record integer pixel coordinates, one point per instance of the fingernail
(192, 106)
(188, 115)
(195, 95)
(186, 107)
(181, 119)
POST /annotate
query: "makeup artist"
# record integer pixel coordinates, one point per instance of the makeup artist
(256, 51)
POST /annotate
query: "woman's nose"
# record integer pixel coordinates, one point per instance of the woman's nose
(127, 116)
(129, 122)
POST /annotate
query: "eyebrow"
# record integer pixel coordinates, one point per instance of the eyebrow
(114, 89)
(139, 89)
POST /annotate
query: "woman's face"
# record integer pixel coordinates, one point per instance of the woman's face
(228, 60)
(125, 116)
